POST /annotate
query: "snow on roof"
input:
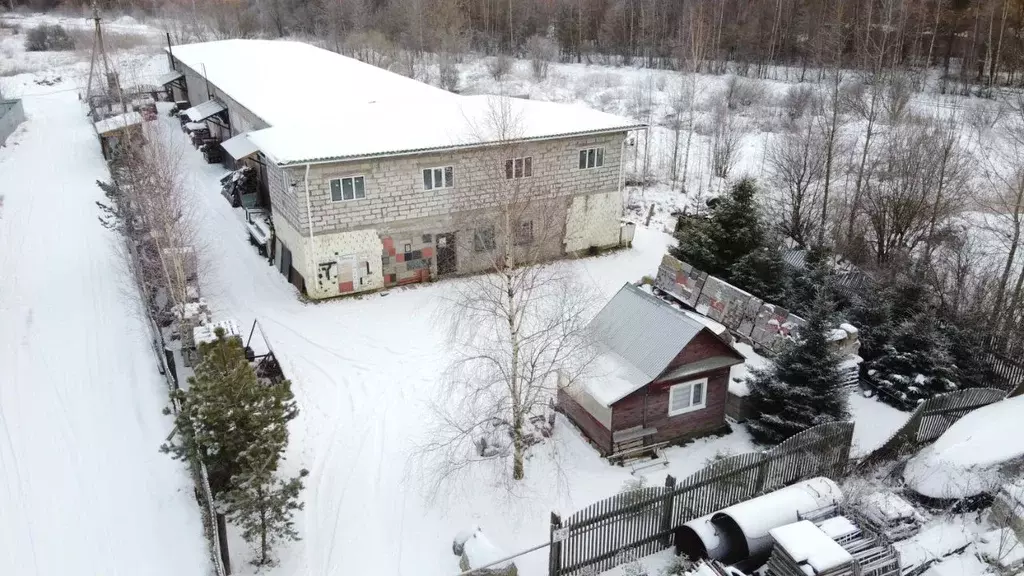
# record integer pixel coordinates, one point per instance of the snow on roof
(965, 460)
(322, 106)
(613, 378)
(239, 146)
(395, 127)
(296, 81)
(203, 111)
(644, 330)
(119, 122)
(806, 543)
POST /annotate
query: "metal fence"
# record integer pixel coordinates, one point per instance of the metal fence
(930, 420)
(11, 115)
(642, 521)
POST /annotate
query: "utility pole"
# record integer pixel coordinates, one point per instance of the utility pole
(98, 49)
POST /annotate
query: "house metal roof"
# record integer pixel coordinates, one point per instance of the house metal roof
(643, 329)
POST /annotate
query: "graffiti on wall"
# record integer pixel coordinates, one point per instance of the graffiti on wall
(739, 311)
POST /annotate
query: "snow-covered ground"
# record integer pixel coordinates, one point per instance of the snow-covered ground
(83, 486)
(363, 369)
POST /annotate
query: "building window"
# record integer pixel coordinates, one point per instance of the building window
(442, 177)
(519, 168)
(687, 397)
(347, 189)
(524, 233)
(591, 158)
(483, 239)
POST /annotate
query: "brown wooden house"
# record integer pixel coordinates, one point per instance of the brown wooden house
(661, 376)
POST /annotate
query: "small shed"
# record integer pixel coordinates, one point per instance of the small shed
(660, 376)
(116, 130)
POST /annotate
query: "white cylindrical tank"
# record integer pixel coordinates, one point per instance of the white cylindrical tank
(743, 528)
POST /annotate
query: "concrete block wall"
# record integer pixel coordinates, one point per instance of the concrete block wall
(589, 221)
(394, 185)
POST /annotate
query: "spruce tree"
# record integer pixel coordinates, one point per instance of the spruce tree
(804, 283)
(731, 243)
(916, 365)
(802, 387)
(762, 273)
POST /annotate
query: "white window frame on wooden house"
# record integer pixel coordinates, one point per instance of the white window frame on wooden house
(358, 192)
(591, 158)
(438, 177)
(519, 168)
(695, 398)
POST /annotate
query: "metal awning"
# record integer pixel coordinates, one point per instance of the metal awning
(119, 122)
(240, 146)
(165, 79)
(205, 110)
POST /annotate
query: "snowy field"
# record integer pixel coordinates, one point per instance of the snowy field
(81, 424)
(84, 488)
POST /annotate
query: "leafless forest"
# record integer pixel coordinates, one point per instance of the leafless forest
(751, 35)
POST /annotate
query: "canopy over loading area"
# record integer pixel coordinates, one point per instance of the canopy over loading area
(239, 147)
(205, 110)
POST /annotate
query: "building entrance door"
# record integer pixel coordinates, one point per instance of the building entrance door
(446, 256)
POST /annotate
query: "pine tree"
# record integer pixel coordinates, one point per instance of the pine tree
(803, 387)
(263, 506)
(227, 412)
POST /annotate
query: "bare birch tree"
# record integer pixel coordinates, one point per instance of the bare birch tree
(516, 329)
(796, 162)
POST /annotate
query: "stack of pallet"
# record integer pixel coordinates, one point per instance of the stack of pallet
(803, 549)
(836, 545)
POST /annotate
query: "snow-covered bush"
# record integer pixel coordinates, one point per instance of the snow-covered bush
(798, 101)
(542, 51)
(500, 66)
(47, 38)
(743, 93)
(448, 74)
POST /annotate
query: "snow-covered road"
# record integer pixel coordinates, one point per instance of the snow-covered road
(83, 487)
